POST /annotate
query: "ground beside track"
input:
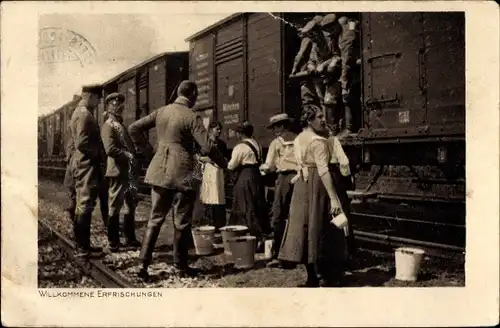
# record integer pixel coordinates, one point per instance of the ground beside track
(371, 268)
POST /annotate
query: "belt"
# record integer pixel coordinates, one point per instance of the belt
(288, 172)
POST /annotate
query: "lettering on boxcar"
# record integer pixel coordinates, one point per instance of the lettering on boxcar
(404, 117)
(230, 107)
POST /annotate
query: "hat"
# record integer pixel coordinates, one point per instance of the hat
(116, 97)
(328, 19)
(277, 119)
(245, 128)
(311, 24)
(92, 88)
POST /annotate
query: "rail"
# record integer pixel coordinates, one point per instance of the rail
(93, 267)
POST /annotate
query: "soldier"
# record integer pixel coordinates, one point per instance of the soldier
(307, 93)
(86, 165)
(120, 172)
(332, 101)
(170, 172)
(320, 52)
(306, 44)
(347, 40)
(280, 158)
(69, 182)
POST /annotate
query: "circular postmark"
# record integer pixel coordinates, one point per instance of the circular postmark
(58, 45)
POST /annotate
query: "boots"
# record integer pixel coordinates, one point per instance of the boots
(82, 236)
(129, 231)
(181, 251)
(114, 233)
(147, 247)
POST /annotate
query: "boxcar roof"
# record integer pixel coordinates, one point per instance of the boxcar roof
(213, 26)
(133, 68)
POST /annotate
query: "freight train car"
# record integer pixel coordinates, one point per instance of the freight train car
(53, 133)
(409, 151)
(148, 86)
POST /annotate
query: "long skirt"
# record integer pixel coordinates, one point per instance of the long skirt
(310, 237)
(249, 206)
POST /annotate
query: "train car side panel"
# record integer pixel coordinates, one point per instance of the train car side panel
(230, 93)
(201, 70)
(264, 73)
(128, 89)
(392, 77)
(444, 60)
(157, 77)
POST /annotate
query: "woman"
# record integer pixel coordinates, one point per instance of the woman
(249, 204)
(212, 194)
(310, 237)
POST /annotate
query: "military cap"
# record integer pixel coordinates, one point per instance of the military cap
(92, 88)
(328, 19)
(115, 97)
(311, 24)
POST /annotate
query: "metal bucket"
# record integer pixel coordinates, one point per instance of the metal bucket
(243, 251)
(229, 232)
(408, 262)
(203, 238)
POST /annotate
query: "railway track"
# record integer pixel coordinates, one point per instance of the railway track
(379, 237)
(92, 267)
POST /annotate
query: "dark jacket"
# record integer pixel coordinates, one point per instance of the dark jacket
(116, 141)
(178, 130)
(89, 153)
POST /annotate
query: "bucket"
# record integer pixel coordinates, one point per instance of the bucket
(243, 251)
(203, 238)
(408, 262)
(268, 249)
(229, 232)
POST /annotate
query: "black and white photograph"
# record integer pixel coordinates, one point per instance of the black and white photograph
(326, 149)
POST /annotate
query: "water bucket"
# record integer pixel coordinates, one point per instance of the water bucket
(268, 248)
(203, 238)
(243, 251)
(408, 262)
(229, 232)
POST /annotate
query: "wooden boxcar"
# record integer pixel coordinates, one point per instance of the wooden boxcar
(149, 85)
(410, 145)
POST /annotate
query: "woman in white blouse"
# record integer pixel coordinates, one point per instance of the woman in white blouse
(310, 237)
(249, 206)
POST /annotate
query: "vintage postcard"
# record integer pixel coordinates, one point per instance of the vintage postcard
(250, 163)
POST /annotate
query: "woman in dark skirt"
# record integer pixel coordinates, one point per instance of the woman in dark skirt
(310, 237)
(249, 206)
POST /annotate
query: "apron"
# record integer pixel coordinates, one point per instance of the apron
(212, 186)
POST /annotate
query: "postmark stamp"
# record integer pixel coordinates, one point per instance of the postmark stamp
(57, 44)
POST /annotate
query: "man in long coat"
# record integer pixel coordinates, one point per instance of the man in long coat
(86, 165)
(69, 183)
(120, 172)
(170, 172)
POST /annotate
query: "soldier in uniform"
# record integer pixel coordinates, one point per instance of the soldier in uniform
(120, 172)
(332, 101)
(280, 158)
(307, 93)
(170, 172)
(86, 165)
(69, 183)
(347, 41)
